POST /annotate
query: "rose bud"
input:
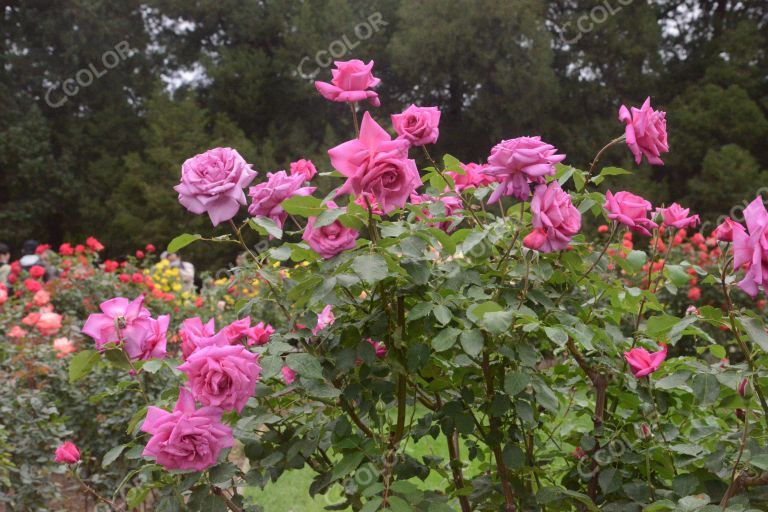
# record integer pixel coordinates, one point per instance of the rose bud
(67, 453)
(743, 388)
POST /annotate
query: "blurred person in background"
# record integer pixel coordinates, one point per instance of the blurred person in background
(5, 263)
(186, 269)
(30, 258)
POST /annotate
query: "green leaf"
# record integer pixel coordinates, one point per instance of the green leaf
(266, 226)
(81, 364)
(445, 339)
(472, 342)
(222, 474)
(756, 331)
(304, 206)
(370, 267)
(305, 365)
(636, 260)
(706, 388)
(515, 382)
(609, 480)
(442, 313)
(182, 241)
(112, 455)
(328, 217)
(348, 463)
(557, 335)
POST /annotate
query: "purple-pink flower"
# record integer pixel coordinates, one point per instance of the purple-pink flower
(186, 439)
(331, 239)
(192, 330)
(213, 182)
(67, 453)
(289, 376)
(375, 164)
(644, 363)
(451, 203)
(750, 248)
(630, 210)
(518, 162)
(241, 330)
(417, 125)
(351, 82)
(555, 219)
(266, 197)
(324, 319)
(379, 348)
(222, 375)
(472, 177)
(304, 168)
(724, 232)
(678, 217)
(646, 132)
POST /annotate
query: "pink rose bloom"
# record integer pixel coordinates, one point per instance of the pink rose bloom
(677, 217)
(222, 375)
(48, 323)
(213, 182)
(240, 330)
(153, 345)
(630, 210)
(324, 319)
(518, 162)
(67, 453)
(417, 125)
(555, 219)
(41, 298)
(451, 203)
(289, 376)
(63, 346)
(331, 239)
(133, 320)
(368, 201)
(643, 362)
(3, 295)
(192, 330)
(473, 177)
(304, 168)
(375, 164)
(724, 232)
(260, 334)
(750, 248)
(266, 197)
(351, 81)
(646, 132)
(379, 347)
(17, 332)
(186, 438)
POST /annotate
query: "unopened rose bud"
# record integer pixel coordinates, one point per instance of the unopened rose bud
(743, 388)
(67, 453)
(578, 453)
(645, 430)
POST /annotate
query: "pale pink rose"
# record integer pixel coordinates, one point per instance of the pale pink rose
(48, 323)
(472, 177)
(351, 81)
(677, 217)
(192, 330)
(750, 248)
(417, 125)
(554, 215)
(31, 319)
(17, 332)
(375, 164)
(213, 182)
(222, 375)
(41, 298)
(241, 330)
(303, 168)
(331, 239)
(379, 347)
(122, 321)
(266, 197)
(724, 232)
(646, 132)
(186, 439)
(630, 210)
(67, 453)
(63, 346)
(643, 362)
(451, 204)
(518, 162)
(324, 319)
(289, 376)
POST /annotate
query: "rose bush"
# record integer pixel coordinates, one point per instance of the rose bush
(561, 369)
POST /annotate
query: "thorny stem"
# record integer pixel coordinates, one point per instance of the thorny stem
(352, 106)
(119, 326)
(600, 153)
(731, 490)
(90, 490)
(231, 505)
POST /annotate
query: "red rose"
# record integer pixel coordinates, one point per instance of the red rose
(37, 271)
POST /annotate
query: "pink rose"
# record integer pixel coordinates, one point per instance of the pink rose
(304, 168)
(324, 319)
(554, 217)
(351, 81)
(417, 125)
(222, 375)
(375, 164)
(472, 177)
(646, 132)
(48, 323)
(518, 162)
(724, 232)
(3, 295)
(677, 217)
(41, 298)
(241, 329)
(630, 210)
(643, 362)
(260, 334)
(213, 182)
(153, 345)
(289, 376)
(379, 347)
(186, 438)
(266, 197)
(750, 248)
(67, 453)
(192, 330)
(17, 332)
(128, 322)
(368, 202)
(451, 204)
(63, 346)
(331, 239)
